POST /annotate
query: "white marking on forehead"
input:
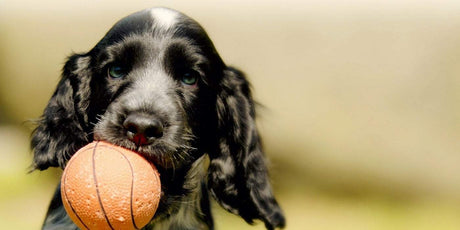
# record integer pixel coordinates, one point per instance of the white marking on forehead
(163, 17)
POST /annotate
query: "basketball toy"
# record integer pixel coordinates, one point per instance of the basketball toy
(109, 187)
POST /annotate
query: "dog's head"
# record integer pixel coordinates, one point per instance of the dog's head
(155, 84)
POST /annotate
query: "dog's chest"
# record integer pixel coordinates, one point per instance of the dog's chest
(189, 214)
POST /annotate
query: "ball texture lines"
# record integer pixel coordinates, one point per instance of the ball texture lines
(109, 187)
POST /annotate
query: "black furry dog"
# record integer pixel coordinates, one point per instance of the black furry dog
(155, 84)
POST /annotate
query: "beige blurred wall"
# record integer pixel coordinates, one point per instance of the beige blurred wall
(358, 95)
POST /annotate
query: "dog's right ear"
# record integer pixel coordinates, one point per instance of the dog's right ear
(61, 129)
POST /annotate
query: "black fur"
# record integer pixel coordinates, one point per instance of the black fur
(208, 140)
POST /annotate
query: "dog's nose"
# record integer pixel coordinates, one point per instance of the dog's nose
(143, 129)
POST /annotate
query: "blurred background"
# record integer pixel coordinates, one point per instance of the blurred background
(362, 106)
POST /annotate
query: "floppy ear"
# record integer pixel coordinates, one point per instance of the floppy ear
(60, 130)
(238, 177)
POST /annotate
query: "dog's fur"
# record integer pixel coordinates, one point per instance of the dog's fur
(209, 143)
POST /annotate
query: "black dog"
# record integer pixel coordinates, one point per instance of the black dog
(155, 84)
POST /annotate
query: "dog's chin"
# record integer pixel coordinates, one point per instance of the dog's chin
(161, 154)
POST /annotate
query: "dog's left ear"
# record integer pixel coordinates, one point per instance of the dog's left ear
(238, 177)
(60, 131)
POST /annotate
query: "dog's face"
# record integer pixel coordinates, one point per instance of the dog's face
(155, 84)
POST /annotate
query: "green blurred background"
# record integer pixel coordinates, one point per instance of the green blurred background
(362, 103)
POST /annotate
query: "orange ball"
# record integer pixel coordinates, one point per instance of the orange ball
(109, 187)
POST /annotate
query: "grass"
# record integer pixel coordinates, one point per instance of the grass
(24, 198)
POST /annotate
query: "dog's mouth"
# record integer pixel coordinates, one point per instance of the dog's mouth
(169, 151)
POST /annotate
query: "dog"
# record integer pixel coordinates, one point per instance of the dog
(155, 84)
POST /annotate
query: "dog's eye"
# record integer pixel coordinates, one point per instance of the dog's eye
(190, 78)
(116, 71)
